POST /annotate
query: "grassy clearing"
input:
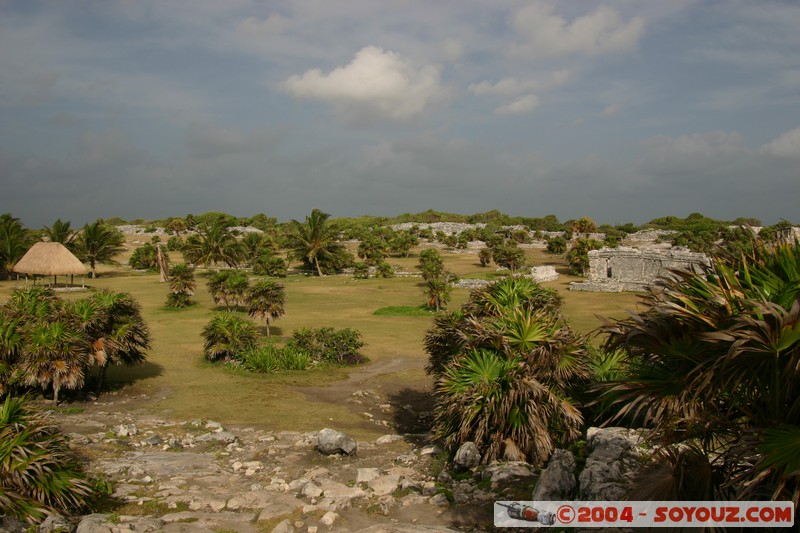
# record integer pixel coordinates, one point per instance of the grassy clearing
(404, 310)
(180, 384)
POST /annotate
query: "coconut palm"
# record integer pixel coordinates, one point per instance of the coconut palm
(714, 359)
(38, 473)
(213, 244)
(314, 241)
(266, 300)
(13, 241)
(61, 232)
(54, 355)
(99, 243)
(228, 336)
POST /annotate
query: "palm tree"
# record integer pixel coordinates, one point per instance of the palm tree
(213, 244)
(38, 473)
(181, 285)
(228, 336)
(506, 366)
(714, 362)
(98, 243)
(13, 241)
(266, 300)
(10, 346)
(228, 286)
(61, 232)
(54, 355)
(313, 241)
(119, 335)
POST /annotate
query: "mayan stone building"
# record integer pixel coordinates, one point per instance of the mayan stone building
(631, 269)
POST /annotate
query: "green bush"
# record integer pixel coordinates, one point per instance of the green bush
(329, 345)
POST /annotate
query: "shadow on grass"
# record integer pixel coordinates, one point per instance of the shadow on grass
(413, 413)
(119, 377)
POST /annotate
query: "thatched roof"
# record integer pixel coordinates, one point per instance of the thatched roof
(49, 259)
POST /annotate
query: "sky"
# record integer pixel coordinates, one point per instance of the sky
(620, 110)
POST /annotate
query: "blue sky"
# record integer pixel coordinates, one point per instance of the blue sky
(619, 110)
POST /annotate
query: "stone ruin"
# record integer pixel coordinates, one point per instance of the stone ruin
(631, 269)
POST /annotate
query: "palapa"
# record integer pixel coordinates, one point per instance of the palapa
(49, 259)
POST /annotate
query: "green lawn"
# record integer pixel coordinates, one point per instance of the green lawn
(178, 383)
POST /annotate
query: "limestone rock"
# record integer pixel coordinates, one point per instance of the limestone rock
(284, 526)
(365, 475)
(557, 481)
(613, 460)
(388, 439)
(55, 523)
(331, 442)
(467, 456)
(384, 485)
(12, 525)
(507, 473)
(94, 523)
(329, 518)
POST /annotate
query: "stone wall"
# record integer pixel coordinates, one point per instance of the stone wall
(630, 269)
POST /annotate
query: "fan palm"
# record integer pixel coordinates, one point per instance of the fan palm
(54, 355)
(182, 285)
(266, 300)
(38, 474)
(118, 334)
(715, 360)
(505, 367)
(10, 346)
(228, 336)
(98, 243)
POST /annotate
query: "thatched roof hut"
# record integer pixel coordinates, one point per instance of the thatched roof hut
(49, 259)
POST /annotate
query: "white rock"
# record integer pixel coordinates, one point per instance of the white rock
(329, 518)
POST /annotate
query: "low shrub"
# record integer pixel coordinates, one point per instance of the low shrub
(330, 346)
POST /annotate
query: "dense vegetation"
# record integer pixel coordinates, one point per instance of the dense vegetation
(707, 367)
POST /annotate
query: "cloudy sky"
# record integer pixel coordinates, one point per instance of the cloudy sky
(621, 110)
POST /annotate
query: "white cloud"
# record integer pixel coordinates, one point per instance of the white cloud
(545, 34)
(522, 105)
(275, 23)
(786, 145)
(375, 83)
(513, 86)
(611, 110)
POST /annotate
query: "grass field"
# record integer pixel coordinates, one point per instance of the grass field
(178, 383)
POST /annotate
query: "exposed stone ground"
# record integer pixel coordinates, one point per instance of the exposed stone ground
(198, 476)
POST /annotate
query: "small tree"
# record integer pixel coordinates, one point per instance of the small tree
(578, 256)
(509, 256)
(228, 336)
(181, 286)
(485, 256)
(266, 300)
(229, 287)
(556, 245)
(98, 243)
(431, 263)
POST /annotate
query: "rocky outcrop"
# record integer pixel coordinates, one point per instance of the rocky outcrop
(614, 458)
(557, 482)
(171, 476)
